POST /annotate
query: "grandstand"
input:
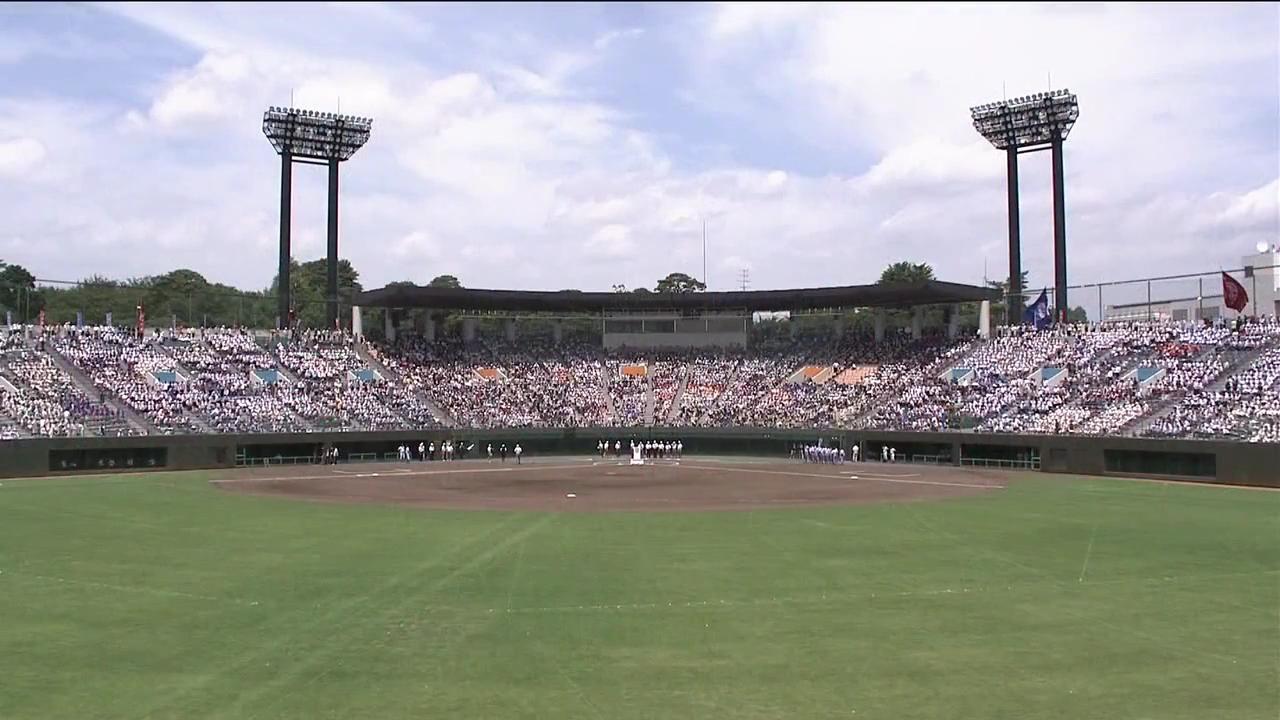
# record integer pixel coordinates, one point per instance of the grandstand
(1161, 379)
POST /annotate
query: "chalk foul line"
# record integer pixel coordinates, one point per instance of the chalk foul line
(338, 474)
(826, 597)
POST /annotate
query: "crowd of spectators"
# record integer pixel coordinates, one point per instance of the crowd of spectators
(129, 368)
(39, 399)
(664, 377)
(1246, 405)
(1159, 379)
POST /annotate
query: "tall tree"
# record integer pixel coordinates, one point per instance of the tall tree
(907, 272)
(999, 309)
(16, 284)
(680, 283)
(307, 283)
(444, 281)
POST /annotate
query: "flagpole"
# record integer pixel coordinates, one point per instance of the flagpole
(1255, 292)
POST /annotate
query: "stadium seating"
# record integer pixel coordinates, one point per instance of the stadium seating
(1153, 379)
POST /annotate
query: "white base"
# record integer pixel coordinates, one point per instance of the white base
(637, 461)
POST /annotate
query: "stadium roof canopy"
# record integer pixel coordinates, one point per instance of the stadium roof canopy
(880, 295)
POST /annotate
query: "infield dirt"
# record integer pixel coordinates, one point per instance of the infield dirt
(611, 485)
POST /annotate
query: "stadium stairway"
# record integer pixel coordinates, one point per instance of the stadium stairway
(82, 382)
(608, 396)
(673, 413)
(186, 372)
(860, 417)
(1166, 405)
(650, 401)
(1240, 362)
(442, 416)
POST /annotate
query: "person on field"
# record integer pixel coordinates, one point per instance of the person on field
(489, 450)
(422, 452)
(503, 452)
(519, 451)
(893, 455)
(853, 453)
(431, 450)
(884, 453)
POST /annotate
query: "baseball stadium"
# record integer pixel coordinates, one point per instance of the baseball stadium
(909, 498)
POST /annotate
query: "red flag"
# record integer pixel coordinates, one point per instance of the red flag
(142, 321)
(1233, 294)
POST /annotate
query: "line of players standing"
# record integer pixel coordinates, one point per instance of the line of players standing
(651, 449)
(830, 455)
(450, 450)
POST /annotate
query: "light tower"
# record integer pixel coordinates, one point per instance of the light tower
(312, 138)
(1022, 125)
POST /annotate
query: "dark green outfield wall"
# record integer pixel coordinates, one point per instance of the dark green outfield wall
(1226, 462)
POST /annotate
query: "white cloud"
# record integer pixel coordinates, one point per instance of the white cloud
(930, 161)
(1256, 209)
(614, 36)
(610, 241)
(511, 172)
(20, 155)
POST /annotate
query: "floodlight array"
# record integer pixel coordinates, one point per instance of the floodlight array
(313, 134)
(1027, 121)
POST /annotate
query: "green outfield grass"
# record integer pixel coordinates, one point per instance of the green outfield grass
(159, 596)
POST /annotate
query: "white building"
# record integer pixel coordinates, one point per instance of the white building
(1260, 278)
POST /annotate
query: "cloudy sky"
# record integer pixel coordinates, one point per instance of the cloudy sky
(558, 146)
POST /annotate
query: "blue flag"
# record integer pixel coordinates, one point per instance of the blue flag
(1037, 313)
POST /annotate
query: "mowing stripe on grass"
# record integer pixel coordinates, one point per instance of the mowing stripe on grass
(829, 598)
(268, 642)
(127, 588)
(322, 655)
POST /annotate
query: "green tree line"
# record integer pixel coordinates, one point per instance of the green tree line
(187, 297)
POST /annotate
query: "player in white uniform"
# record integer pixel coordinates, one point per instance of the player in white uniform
(519, 451)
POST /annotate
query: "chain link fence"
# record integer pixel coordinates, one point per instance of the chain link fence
(1179, 298)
